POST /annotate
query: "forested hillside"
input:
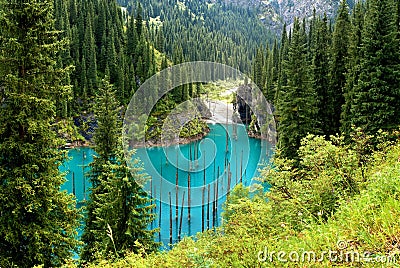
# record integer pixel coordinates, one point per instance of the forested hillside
(326, 80)
(275, 13)
(68, 70)
(129, 44)
(338, 208)
(201, 30)
(104, 40)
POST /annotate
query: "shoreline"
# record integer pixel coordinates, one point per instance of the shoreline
(182, 141)
(149, 144)
(75, 144)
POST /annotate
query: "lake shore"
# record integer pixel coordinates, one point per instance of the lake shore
(149, 143)
(181, 141)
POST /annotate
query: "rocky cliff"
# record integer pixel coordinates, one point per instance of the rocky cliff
(274, 13)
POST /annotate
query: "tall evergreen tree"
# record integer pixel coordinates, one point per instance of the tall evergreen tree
(37, 221)
(337, 71)
(272, 74)
(258, 69)
(89, 54)
(297, 104)
(106, 140)
(283, 57)
(320, 70)
(119, 211)
(376, 96)
(139, 20)
(132, 38)
(353, 65)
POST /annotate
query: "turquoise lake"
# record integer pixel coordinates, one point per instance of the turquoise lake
(213, 166)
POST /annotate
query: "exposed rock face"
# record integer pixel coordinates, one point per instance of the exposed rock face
(274, 13)
(289, 9)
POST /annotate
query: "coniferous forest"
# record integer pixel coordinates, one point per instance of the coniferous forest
(69, 68)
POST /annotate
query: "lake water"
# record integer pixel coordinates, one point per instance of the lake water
(213, 166)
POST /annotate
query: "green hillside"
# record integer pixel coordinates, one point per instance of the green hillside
(330, 197)
(338, 205)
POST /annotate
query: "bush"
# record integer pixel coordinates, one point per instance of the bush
(328, 198)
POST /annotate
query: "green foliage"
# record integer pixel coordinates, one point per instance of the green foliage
(68, 131)
(353, 67)
(103, 40)
(225, 33)
(139, 20)
(272, 73)
(106, 142)
(320, 76)
(122, 211)
(259, 72)
(366, 223)
(38, 222)
(360, 212)
(330, 82)
(193, 128)
(118, 211)
(337, 70)
(327, 173)
(377, 90)
(237, 196)
(297, 102)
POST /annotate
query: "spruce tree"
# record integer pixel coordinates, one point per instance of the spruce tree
(132, 38)
(258, 69)
(38, 222)
(117, 204)
(106, 140)
(89, 55)
(337, 71)
(297, 105)
(283, 57)
(139, 20)
(376, 96)
(353, 66)
(320, 70)
(125, 209)
(272, 74)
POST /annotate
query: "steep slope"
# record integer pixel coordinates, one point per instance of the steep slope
(274, 13)
(204, 30)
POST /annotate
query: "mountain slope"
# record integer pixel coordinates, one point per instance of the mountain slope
(274, 13)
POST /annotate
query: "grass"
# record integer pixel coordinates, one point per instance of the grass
(217, 91)
(364, 226)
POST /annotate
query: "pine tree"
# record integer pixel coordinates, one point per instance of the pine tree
(106, 140)
(125, 209)
(164, 63)
(320, 79)
(38, 222)
(132, 38)
(337, 71)
(62, 24)
(258, 69)
(89, 54)
(283, 57)
(178, 93)
(353, 67)
(297, 104)
(272, 73)
(139, 20)
(116, 203)
(376, 96)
